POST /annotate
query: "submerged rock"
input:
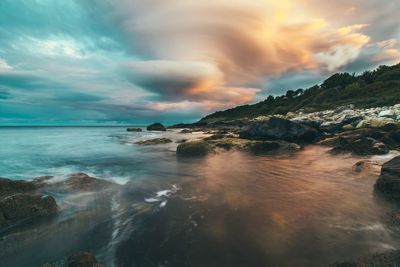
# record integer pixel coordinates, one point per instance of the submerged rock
(364, 165)
(134, 129)
(195, 148)
(19, 207)
(79, 259)
(272, 146)
(156, 127)
(388, 259)
(388, 182)
(155, 141)
(279, 129)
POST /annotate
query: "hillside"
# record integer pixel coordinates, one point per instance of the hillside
(380, 87)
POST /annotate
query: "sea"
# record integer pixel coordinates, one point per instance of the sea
(228, 209)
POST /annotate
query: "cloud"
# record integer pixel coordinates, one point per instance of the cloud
(224, 51)
(130, 59)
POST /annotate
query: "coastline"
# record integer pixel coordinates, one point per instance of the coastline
(218, 139)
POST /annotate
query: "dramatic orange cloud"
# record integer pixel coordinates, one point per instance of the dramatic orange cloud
(233, 46)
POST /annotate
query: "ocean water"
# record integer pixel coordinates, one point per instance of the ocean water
(228, 209)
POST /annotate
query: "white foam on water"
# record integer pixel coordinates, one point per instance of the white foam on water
(162, 196)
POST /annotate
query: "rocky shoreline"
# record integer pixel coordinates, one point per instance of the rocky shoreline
(25, 204)
(344, 130)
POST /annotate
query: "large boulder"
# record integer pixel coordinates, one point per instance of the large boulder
(279, 129)
(388, 182)
(10, 187)
(18, 207)
(155, 141)
(156, 127)
(195, 148)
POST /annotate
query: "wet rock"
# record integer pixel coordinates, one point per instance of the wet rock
(185, 131)
(180, 141)
(19, 207)
(156, 127)
(279, 129)
(388, 259)
(156, 141)
(134, 129)
(362, 146)
(194, 148)
(10, 187)
(80, 182)
(364, 165)
(261, 147)
(79, 259)
(388, 182)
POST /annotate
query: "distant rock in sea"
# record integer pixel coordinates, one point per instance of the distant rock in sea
(156, 127)
(134, 129)
(155, 141)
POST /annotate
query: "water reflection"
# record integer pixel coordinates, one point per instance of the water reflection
(230, 209)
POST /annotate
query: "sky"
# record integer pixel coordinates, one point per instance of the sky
(119, 62)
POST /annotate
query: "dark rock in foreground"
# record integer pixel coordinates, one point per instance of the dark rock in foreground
(156, 141)
(19, 207)
(388, 259)
(134, 129)
(18, 202)
(279, 129)
(79, 259)
(195, 148)
(156, 127)
(10, 187)
(388, 182)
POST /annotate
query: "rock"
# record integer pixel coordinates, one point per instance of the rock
(134, 129)
(84, 182)
(387, 113)
(194, 148)
(19, 207)
(261, 147)
(80, 182)
(387, 259)
(348, 127)
(388, 182)
(156, 141)
(279, 129)
(185, 131)
(79, 259)
(82, 259)
(362, 124)
(379, 122)
(180, 141)
(156, 127)
(364, 165)
(10, 187)
(362, 146)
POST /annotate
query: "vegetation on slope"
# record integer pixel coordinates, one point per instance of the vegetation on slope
(380, 87)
